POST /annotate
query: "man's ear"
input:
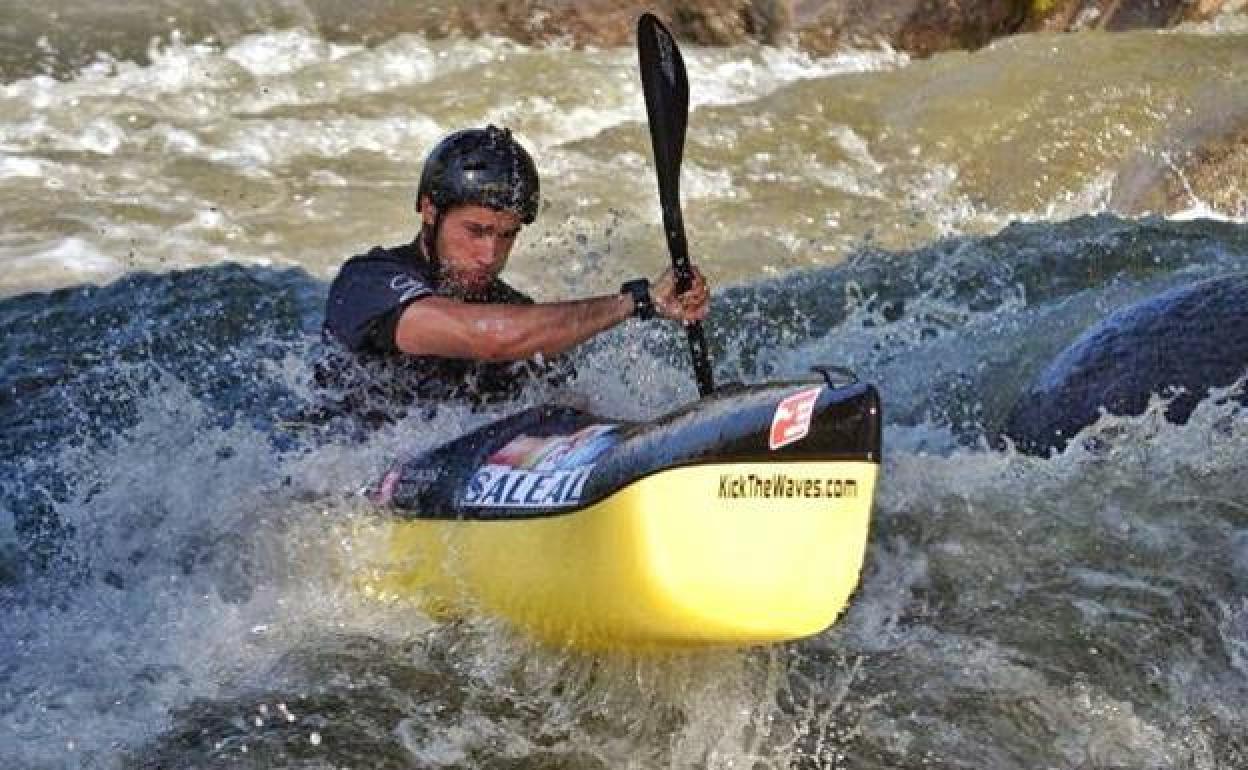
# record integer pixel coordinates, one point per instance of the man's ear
(428, 211)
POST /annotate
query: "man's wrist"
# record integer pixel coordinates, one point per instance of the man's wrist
(639, 291)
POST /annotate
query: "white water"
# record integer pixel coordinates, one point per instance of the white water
(1081, 611)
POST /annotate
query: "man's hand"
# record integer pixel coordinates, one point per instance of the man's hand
(687, 308)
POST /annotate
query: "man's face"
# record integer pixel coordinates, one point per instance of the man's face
(473, 244)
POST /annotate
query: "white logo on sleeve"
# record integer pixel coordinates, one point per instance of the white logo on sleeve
(409, 287)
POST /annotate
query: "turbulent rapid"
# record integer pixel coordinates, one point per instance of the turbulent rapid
(181, 543)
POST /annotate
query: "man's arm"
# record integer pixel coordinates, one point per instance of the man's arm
(440, 326)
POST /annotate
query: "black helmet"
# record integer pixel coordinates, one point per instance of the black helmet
(485, 166)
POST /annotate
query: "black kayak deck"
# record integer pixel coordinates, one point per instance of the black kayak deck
(551, 460)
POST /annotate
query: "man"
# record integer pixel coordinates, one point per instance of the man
(435, 316)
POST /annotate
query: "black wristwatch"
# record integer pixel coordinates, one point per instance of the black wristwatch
(639, 290)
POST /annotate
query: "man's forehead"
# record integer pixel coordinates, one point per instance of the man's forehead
(486, 216)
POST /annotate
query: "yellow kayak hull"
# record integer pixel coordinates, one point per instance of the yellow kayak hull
(723, 554)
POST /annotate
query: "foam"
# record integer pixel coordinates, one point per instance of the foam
(19, 167)
(73, 255)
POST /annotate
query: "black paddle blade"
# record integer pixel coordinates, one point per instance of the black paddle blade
(666, 86)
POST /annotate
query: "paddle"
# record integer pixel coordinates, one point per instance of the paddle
(666, 87)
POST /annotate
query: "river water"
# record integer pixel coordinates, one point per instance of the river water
(173, 209)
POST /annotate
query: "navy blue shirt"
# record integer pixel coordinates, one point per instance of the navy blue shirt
(365, 371)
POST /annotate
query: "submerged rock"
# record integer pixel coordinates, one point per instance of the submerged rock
(1184, 341)
(81, 366)
(1213, 175)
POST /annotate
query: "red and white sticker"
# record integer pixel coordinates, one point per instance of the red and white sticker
(792, 419)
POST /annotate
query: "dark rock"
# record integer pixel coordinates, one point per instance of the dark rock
(1189, 339)
(1117, 15)
(1213, 175)
(920, 27)
(75, 36)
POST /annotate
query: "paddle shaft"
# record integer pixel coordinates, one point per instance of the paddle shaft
(666, 87)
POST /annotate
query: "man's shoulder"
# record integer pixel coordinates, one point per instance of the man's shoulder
(405, 257)
(400, 269)
(370, 290)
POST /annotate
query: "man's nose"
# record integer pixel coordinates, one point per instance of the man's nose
(493, 248)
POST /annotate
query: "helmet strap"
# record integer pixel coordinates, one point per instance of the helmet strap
(429, 236)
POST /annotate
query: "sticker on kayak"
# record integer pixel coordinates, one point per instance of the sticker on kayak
(792, 419)
(405, 481)
(497, 486)
(552, 453)
(539, 472)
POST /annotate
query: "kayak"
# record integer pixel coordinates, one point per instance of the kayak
(738, 520)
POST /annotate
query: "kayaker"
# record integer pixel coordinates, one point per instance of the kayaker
(434, 314)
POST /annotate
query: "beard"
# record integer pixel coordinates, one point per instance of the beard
(470, 285)
(465, 285)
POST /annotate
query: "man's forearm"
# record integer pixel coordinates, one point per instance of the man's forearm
(522, 331)
(495, 332)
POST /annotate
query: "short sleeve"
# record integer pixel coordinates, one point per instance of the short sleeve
(367, 294)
